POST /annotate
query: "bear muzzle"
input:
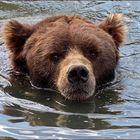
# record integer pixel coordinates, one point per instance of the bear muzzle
(77, 82)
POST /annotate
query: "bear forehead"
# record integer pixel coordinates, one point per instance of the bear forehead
(73, 28)
(66, 32)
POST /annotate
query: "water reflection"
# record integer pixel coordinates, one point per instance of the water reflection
(46, 108)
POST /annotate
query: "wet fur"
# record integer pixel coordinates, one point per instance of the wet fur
(72, 38)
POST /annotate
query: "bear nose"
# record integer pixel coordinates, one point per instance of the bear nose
(78, 74)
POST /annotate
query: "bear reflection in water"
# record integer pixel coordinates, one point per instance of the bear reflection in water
(66, 53)
(89, 114)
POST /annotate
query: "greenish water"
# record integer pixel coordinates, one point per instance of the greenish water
(29, 113)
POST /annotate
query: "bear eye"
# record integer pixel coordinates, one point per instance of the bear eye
(92, 53)
(55, 56)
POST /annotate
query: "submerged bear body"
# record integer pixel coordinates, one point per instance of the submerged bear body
(66, 53)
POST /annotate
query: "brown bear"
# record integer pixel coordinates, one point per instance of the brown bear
(66, 53)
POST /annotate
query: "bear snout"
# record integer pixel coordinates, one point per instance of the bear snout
(76, 79)
(77, 74)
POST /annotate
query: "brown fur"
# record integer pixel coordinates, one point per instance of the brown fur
(49, 48)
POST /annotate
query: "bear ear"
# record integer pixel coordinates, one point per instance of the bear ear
(114, 25)
(16, 34)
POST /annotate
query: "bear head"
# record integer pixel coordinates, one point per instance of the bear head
(67, 53)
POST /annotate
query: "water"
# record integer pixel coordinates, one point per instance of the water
(30, 113)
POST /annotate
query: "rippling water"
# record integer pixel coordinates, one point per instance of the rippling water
(29, 113)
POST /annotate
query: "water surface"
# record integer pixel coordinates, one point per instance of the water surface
(30, 113)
